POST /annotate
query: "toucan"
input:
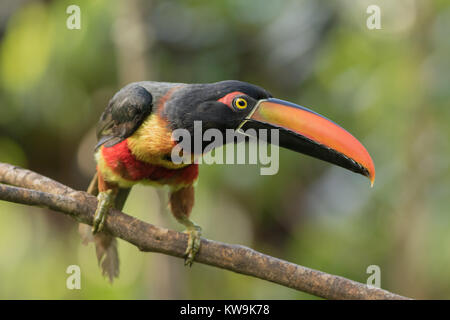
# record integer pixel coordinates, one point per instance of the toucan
(135, 145)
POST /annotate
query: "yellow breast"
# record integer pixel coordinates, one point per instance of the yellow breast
(152, 141)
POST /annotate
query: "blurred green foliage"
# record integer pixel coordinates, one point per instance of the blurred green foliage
(389, 87)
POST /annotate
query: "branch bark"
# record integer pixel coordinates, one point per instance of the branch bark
(29, 188)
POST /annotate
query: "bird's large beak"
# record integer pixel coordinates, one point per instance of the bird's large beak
(303, 130)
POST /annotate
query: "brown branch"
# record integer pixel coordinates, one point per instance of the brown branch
(30, 188)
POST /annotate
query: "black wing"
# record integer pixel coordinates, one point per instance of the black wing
(125, 113)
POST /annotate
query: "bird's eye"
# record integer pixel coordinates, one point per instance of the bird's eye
(240, 103)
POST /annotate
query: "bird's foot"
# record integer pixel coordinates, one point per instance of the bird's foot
(194, 231)
(105, 202)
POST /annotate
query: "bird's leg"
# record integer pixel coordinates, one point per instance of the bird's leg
(194, 231)
(181, 203)
(106, 199)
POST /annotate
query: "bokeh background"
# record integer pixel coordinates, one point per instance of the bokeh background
(389, 87)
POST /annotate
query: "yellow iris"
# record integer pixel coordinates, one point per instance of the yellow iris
(240, 103)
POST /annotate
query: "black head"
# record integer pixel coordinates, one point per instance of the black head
(221, 105)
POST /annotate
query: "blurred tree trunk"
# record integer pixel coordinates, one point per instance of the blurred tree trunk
(412, 212)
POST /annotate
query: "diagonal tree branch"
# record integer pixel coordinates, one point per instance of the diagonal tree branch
(29, 188)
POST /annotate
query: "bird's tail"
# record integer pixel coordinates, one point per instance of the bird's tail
(105, 244)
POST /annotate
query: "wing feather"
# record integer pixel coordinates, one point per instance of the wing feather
(124, 114)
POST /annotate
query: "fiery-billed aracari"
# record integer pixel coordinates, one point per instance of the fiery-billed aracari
(135, 144)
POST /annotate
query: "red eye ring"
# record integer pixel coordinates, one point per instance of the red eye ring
(228, 98)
